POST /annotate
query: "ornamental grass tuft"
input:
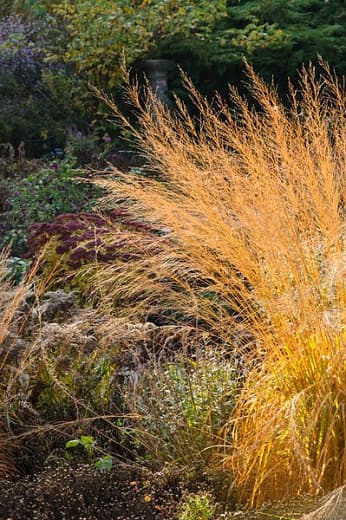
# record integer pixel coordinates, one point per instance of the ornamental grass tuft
(253, 196)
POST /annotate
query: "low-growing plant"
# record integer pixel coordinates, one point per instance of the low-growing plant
(103, 256)
(65, 384)
(54, 376)
(181, 407)
(104, 463)
(88, 443)
(197, 507)
(17, 269)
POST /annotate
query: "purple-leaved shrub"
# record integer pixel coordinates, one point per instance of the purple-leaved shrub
(73, 241)
(117, 262)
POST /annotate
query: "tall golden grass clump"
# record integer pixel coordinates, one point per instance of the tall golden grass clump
(255, 200)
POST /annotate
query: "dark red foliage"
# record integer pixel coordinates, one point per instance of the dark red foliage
(88, 237)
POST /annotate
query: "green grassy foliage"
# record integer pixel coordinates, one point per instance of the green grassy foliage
(42, 195)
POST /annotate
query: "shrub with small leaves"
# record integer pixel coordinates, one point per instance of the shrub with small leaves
(41, 196)
(182, 407)
(17, 268)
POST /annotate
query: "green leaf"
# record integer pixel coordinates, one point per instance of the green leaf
(73, 443)
(104, 463)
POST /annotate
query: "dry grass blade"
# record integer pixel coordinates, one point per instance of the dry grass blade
(7, 465)
(10, 299)
(333, 507)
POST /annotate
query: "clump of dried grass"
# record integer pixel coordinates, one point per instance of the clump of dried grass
(331, 508)
(255, 204)
(10, 300)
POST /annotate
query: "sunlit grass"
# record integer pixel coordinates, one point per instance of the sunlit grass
(255, 203)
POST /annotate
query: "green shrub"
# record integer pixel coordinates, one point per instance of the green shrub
(17, 269)
(41, 196)
(29, 111)
(110, 30)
